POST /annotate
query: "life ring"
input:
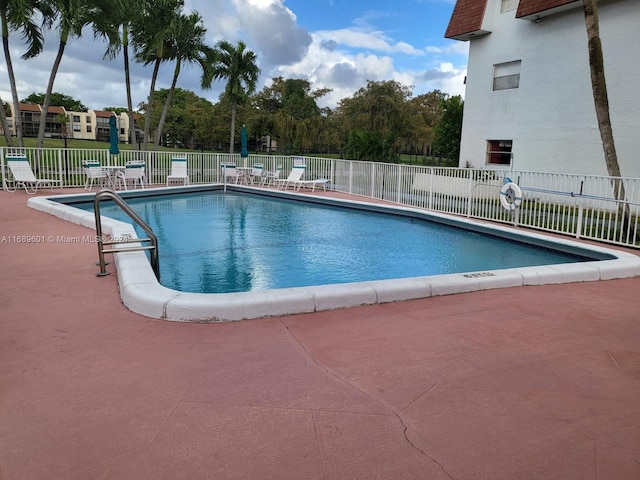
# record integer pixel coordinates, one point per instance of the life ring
(510, 196)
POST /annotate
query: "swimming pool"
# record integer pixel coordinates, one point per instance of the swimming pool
(224, 242)
(141, 292)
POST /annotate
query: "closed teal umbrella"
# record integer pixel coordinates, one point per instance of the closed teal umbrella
(113, 136)
(244, 153)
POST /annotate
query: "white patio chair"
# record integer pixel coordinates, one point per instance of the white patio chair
(268, 178)
(255, 176)
(95, 173)
(178, 172)
(230, 173)
(132, 176)
(295, 175)
(24, 177)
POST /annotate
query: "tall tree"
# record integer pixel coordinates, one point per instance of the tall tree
(427, 110)
(371, 146)
(448, 131)
(187, 45)
(58, 99)
(238, 66)
(124, 18)
(379, 107)
(298, 120)
(152, 32)
(601, 102)
(5, 124)
(20, 15)
(72, 16)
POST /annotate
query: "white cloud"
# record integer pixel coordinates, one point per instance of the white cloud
(370, 40)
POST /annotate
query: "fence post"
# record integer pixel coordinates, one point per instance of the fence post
(431, 176)
(2, 169)
(579, 222)
(373, 181)
(61, 166)
(332, 169)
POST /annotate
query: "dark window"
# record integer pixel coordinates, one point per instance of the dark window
(499, 152)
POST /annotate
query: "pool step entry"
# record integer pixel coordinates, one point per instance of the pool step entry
(107, 194)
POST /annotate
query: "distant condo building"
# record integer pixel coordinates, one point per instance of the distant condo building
(89, 125)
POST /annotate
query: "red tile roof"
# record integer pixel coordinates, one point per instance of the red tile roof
(29, 107)
(466, 18)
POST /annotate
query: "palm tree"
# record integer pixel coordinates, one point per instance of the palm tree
(5, 124)
(601, 101)
(73, 16)
(238, 66)
(187, 46)
(124, 19)
(151, 34)
(20, 15)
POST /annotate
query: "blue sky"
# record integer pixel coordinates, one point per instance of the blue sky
(337, 44)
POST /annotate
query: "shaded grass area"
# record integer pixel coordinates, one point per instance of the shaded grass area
(79, 144)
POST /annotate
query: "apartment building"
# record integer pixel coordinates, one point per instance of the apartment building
(89, 125)
(528, 100)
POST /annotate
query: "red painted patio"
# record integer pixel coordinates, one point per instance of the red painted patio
(521, 383)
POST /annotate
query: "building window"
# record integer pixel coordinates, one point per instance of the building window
(508, 5)
(499, 152)
(76, 118)
(76, 127)
(506, 75)
(88, 128)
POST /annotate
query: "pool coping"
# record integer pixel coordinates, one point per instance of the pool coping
(142, 293)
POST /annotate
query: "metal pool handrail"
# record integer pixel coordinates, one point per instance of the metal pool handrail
(153, 248)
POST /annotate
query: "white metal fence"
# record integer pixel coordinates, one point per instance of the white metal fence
(582, 206)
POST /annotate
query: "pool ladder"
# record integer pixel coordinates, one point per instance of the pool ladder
(107, 194)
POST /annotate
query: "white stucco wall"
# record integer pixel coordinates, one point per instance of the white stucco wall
(550, 117)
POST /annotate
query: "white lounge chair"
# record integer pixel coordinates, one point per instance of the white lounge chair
(132, 176)
(24, 177)
(312, 184)
(295, 175)
(178, 172)
(94, 172)
(230, 173)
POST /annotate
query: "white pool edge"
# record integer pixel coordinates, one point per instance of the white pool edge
(142, 293)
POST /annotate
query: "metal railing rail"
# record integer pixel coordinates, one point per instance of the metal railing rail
(105, 194)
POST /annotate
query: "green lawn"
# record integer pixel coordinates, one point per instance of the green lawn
(86, 144)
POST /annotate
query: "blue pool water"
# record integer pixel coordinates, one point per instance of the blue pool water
(222, 242)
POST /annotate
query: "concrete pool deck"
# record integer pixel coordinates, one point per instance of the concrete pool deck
(535, 382)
